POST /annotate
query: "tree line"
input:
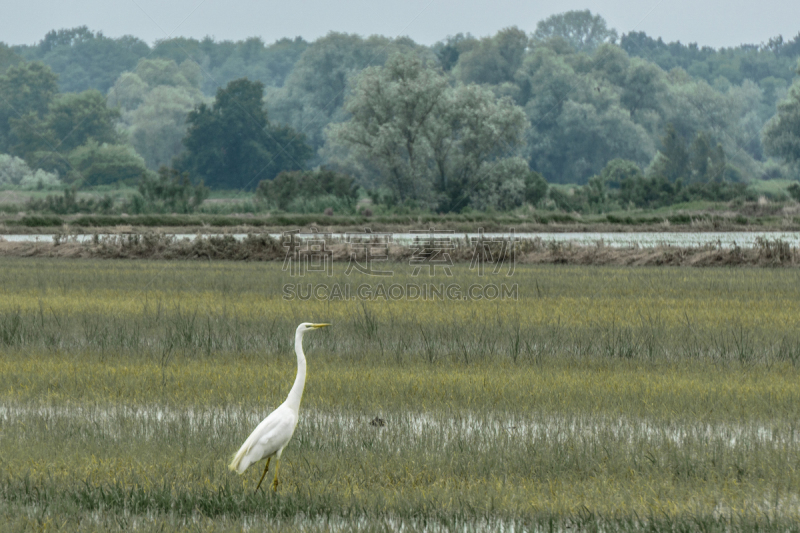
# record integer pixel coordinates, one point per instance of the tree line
(468, 123)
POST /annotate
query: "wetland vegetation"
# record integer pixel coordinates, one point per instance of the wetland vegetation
(602, 398)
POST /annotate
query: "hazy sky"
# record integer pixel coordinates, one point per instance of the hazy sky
(707, 22)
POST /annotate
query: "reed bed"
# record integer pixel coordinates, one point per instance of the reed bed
(599, 398)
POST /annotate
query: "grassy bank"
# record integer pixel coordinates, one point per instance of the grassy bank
(703, 216)
(611, 398)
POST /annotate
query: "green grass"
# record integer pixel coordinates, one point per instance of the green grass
(602, 399)
(771, 187)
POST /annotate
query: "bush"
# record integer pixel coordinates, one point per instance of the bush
(15, 172)
(794, 191)
(618, 170)
(572, 201)
(656, 191)
(306, 191)
(39, 221)
(168, 192)
(535, 187)
(505, 186)
(103, 164)
(318, 204)
(69, 203)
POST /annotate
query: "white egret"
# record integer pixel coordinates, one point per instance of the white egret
(274, 432)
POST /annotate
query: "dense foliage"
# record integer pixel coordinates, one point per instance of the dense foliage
(425, 141)
(168, 192)
(231, 144)
(468, 123)
(309, 191)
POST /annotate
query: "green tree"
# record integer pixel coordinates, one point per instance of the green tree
(701, 162)
(157, 127)
(87, 60)
(581, 29)
(494, 60)
(231, 144)
(648, 192)
(596, 192)
(156, 72)
(155, 101)
(104, 164)
(672, 161)
(577, 121)
(207, 52)
(571, 200)
(71, 121)
(15, 172)
(314, 93)
(754, 62)
(618, 170)
(535, 187)
(26, 90)
(782, 134)
(426, 141)
(7, 58)
(593, 135)
(504, 186)
(128, 92)
(252, 58)
(707, 163)
(74, 118)
(449, 51)
(643, 87)
(611, 63)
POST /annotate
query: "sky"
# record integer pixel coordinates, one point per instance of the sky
(715, 23)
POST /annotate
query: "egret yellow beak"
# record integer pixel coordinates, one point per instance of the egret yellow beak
(319, 325)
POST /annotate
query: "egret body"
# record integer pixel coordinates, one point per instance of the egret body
(274, 432)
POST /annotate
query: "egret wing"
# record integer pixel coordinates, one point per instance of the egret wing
(271, 435)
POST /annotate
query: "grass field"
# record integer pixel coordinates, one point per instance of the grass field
(599, 399)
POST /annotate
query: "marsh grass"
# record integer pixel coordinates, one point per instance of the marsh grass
(602, 399)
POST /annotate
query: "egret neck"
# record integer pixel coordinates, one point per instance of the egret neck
(296, 394)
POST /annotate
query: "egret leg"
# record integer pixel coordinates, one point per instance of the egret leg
(264, 474)
(275, 482)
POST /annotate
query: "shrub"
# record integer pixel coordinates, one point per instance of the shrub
(504, 186)
(572, 201)
(40, 221)
(68, 203)
(102, 164)
(292, 191)
(794, 191)
(535, 187)
(318, 204)
(15, 172)
(168, 192)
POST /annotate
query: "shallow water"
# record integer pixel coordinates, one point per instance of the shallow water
(413, 424)
(745, 239)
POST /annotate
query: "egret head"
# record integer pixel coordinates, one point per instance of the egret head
(308, 326)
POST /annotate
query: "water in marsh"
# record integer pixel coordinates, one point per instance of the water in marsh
(746, 239)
